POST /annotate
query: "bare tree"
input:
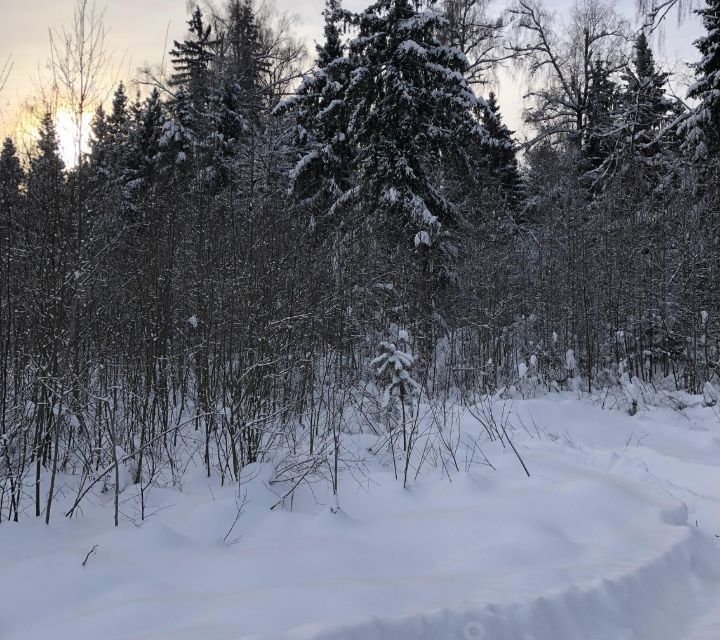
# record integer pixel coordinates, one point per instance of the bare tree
(655, 11)
(5, 70)
(559, 59)
(477, 34)
(79, 63)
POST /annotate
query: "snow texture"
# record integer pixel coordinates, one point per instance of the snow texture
(613, 537)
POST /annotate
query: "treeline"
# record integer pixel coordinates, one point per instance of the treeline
(238, 245)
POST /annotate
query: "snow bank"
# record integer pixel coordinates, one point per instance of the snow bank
(611, 538)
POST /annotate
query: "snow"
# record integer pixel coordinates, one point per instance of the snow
(412, 47)
(570, 362)
(613, 537)
(423, 238)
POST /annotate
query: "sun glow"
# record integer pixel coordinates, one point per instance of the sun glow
(70, 133)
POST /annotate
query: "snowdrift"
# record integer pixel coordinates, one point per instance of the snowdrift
(613, 537)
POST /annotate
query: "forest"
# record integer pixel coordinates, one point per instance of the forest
(311, 345)
(259, 256)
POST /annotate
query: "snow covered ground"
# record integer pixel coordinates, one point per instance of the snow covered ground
(613, 537)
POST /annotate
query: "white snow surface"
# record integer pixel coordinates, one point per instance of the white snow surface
(613, 537)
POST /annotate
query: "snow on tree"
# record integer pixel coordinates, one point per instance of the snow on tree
(393, 367)
(322, 174)
(703, 126)
(601, 133)
(192, 60)
(629, 125)
(646, 107)
(410, 107)
(146, 129)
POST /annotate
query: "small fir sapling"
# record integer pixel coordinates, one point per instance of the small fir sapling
(393, 367)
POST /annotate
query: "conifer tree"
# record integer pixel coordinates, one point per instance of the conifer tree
(410, 107)
(625, 124)
(117, 120)
(145, 131)
(191, 59)
(322, 174)
(704, 125)
(118, 127)
(646, 106)
(601, 131)
(46, 172)
(99, 133)
(11, 177)
(109, 137)
(248, 64)
(193, 79)
(414, 123)
(240, 100)
(500, 156)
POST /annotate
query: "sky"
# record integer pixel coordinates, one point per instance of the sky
(137, 35)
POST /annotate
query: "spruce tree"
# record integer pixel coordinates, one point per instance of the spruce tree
(645, 105)
(323, 172)
(704, 125)
(248, 64)
(118, 130)
(414, 124)
(500, 155)
(240, 100)
(118, 118)
(191, 59)
(46, 173)
(146, 132)
(11, 177)
(410, 108)
(99, 133)
(109, 138)
(193, 79)
(601, 132)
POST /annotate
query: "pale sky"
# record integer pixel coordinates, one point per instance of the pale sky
(137, 31)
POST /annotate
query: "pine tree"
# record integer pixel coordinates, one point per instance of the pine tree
(704, 125)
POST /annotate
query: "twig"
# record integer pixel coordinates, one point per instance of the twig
(90, 553)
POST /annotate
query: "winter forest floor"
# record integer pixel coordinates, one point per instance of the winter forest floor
(613, 537)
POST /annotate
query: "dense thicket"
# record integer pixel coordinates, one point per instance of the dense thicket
(237, 248)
